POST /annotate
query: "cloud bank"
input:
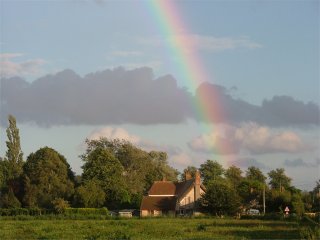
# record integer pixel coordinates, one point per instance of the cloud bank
(249, 138)
(121, 96)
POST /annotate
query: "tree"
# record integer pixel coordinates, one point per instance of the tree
(255, 174)
(220, 198)
(211, 171)
(234, 175)
(14, 154)
(47, 177)
(11, 166)
(102, 166)
(89, 195)
(297, 204)
(278, 179)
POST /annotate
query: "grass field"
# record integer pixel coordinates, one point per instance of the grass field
(160, 228)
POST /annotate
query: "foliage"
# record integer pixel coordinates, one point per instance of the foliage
(47, 177)
(211, 171)
(278, 179)
(90, 194)
(9, 200)
(220, 199)
(14, 155)
(102, 166)
(255, 174)
(60, 205)
(234, 175)
(297, 204)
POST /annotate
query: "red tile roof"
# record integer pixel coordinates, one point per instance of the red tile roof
(158, 203)
(163, 188)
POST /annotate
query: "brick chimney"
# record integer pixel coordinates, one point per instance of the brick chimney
(197, 183)
(187, 176)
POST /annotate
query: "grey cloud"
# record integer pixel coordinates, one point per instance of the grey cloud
(112, 96)
(244, 163)
(301, 163)
(280, 111)
(133, 96)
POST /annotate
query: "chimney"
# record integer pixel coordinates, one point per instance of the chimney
(197, 183)
(187, 175)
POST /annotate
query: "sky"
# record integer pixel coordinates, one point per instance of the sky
(232, 81)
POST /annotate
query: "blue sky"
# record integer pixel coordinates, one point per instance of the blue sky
(255, 50)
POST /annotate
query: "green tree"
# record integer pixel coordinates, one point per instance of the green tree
(255, 174)
(14, 155)
(11, 166)
(297, 204)
(47, 177)
(278, 179)
(211, 171)
(316, 197)
(90, 195)
(234, 175)
(220, 198)
(102, 166)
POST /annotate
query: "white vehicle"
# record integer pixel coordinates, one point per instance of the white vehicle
(253, 212)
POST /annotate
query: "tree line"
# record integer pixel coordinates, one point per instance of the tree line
(116, 174)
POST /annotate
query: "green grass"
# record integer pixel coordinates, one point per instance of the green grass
(158, 228)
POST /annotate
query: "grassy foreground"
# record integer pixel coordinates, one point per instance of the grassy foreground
(160, 228)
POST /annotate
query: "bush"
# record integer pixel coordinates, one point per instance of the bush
(60, 205)
(86, 211)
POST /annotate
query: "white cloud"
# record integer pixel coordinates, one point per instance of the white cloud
(113, 133)
(249, 137)
(10, 68)
(180, 160)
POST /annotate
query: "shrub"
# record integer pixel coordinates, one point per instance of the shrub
(60, 205)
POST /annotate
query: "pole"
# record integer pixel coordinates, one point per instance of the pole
(264, 199)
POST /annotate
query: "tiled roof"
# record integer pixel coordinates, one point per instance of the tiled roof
(182, 187)
(163, 188)
(158, 203)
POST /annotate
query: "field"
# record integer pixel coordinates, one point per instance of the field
(160, 228)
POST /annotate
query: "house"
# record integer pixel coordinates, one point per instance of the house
(171, 198)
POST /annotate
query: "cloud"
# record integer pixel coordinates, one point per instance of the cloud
(123, 134)
(180, 160)
(113, 133)
(298, 162)
(280, 111)
(244, 163)
(249, 138)
(119, 96)
(109, 97)
(10, 68)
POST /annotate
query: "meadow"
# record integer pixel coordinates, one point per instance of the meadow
(157, 228)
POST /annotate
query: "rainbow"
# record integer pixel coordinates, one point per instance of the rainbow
(182, 45)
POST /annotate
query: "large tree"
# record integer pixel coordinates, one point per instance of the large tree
(103, 167)
(220, 198)
(11, 168)
(279, 180)
(234, 176)
(47, 176)
(211, 171)
(255, 174)
(14, 155)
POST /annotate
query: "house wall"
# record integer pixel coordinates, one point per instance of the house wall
(187, 201)
(146, 213)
